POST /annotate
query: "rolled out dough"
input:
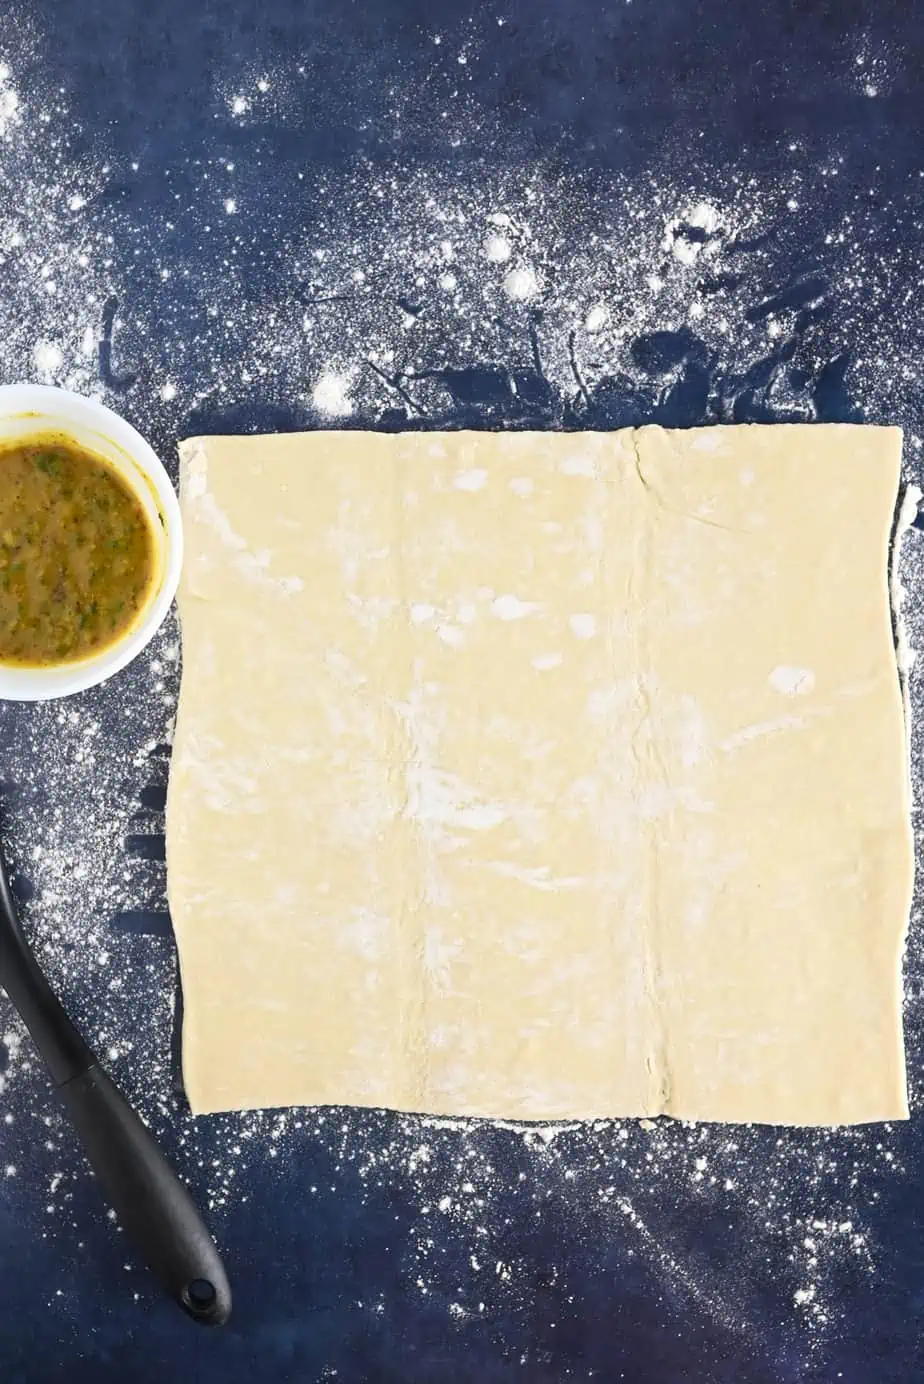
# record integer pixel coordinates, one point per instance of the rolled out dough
(542, 776)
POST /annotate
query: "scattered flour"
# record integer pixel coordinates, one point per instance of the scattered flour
(331, 395)
(521, 284)
(512, 298)
(497, 249)
(9, 102)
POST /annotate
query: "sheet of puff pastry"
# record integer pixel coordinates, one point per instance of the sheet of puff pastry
(542, 776)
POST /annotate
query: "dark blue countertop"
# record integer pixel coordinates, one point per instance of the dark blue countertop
(224, 216)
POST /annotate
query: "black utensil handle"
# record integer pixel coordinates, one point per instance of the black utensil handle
(148, 1198)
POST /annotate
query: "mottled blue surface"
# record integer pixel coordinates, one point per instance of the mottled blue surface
(326, 1283)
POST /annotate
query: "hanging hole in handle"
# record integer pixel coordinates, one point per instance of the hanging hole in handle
(199, 1296)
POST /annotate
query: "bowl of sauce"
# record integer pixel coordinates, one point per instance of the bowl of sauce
(90, 542)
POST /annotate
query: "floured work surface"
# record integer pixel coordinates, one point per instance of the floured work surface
(542, 776)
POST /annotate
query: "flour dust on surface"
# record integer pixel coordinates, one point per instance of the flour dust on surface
(467, 295)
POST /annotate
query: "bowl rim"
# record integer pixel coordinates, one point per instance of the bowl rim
(64, 408)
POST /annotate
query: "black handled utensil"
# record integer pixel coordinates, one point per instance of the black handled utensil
(148, 1198)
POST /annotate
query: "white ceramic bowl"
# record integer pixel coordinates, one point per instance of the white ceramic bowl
(27, 409)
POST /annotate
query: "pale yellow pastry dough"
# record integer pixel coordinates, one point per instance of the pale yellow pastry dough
(542, 776)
